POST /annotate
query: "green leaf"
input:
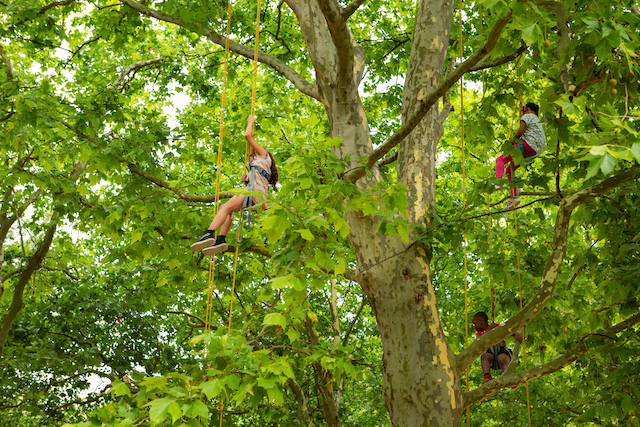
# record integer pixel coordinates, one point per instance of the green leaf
(154, 383)
(294, 335)
(199, 409)
(232, 381)
(175, 411)
(281, 282)
(635, 149)
(119, 388)
(341, 266)
(594, 167)
(306, 234)
(608, 164)
(275, 319)
(531, 33)
(591, 22)
(275, 395)
(158, 409)
(212, 388)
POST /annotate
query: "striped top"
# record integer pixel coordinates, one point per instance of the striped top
(261, 184)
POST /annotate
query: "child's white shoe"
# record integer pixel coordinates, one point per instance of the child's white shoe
(512, 203)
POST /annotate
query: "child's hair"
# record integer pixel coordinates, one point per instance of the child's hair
(481, 315)
(274, 172)
(533, 107)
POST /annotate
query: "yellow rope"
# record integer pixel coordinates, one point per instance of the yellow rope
(255, 62)
(515, 223)
(246, 151)
(524, 350)
(464, 204)
(211, 278)
(220, 409)
(219, 166)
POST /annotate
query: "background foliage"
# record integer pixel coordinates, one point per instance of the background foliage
(114, 160)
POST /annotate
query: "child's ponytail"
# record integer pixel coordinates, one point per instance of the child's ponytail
(533, 107)
(273, 180)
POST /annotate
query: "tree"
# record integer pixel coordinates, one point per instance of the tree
(370, 215)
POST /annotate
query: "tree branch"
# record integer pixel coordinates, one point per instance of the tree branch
(75, 52)
(276, 64)
(345, 340)
(552, 268)
(176, 190)
(580, 348)
(303, 410)
(188, 317)
(134, 68)
(389, 159)
(341, 36)
(590, 81)
(335, 320)
(425, 104)
(565, 32)
(351, 8)
(34, 261)
(324, 380)
(485, 65)
(8, 67)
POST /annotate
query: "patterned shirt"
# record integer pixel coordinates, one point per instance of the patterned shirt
(261, 184)
(497, 346)
(534, 133)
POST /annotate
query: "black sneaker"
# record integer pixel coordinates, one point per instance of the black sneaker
(207, 239)
(220, 246)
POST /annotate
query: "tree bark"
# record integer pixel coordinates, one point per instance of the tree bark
(17, 303)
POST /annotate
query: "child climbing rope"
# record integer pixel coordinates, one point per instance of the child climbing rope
(530, 140)
(498, 355)
(264, 171)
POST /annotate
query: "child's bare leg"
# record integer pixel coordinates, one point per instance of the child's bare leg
(486, 360)
(224, 228)
(223, 216)
(503, 361)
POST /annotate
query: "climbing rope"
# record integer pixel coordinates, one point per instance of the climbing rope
(218, 174)
(219, 166)
(464, 205)
(211, 279)
(524, 349)
(254, 86)
(515, 223)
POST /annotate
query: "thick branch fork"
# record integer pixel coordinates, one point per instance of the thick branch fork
(425, 105)
(578, 350)
(279, 66)
(550, 274)
(132, 69)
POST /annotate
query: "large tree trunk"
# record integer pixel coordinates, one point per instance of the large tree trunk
(421, 387)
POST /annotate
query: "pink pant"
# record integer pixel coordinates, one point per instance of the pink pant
(511, 167)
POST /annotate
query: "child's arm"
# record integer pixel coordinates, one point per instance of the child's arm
(521, 129)
(248, 133)
(518, 337)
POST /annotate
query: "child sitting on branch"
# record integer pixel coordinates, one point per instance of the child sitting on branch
(530, 140)
(496, 356)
